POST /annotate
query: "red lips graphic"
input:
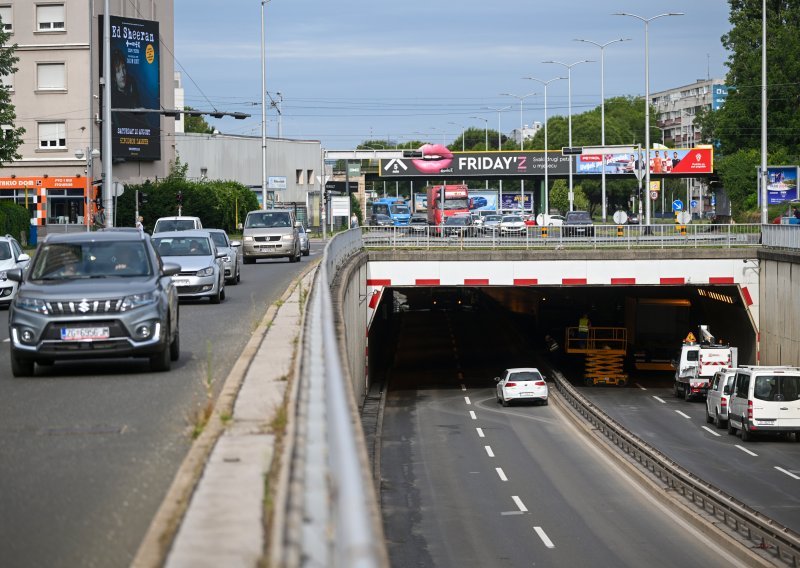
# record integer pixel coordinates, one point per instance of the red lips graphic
(435, 157)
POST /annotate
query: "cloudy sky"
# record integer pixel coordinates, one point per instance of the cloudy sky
(352, 70)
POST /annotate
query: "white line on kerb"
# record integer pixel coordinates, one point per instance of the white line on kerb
(745, 450)
(463, 387)
(710, 431)
(641, 387)
(480, 432)
(501, 473)
(683, 414)
(489, 451)
(520, 505)
(466, 399)
(789, 473)
(659, 399)
(542, 535)
(473, 415)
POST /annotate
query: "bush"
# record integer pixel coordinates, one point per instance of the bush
(15, 220)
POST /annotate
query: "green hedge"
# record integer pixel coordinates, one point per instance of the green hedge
(15, 220)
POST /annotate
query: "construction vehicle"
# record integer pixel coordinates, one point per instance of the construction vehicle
(604, 348)
(700, 358)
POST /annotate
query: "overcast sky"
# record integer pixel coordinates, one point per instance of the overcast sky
(352, 70)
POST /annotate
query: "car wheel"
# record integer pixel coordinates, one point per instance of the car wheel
(731, 429)
(175, 346)
(21, 367)
(545, 402)
(746, 435)
(248, 260)
(709, 418)
(238, 273)
(222, 293)
(161, 362)
(687, 393)
(504, 402)
(216, 298)
(718, 422)
(307, 252)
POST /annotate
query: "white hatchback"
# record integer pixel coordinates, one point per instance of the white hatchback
(520, 385)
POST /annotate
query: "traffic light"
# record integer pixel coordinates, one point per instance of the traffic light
(180, 198)
(142, 196)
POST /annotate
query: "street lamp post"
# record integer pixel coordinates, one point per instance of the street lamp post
(763, 176)
(546, 210)
(499, 110)
(647, 100)
(602, 47)
(521, 143)
(485, 138)
(569, 67)
(463, 135)
(263, 111)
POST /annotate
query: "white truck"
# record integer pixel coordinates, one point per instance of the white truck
(698, 363)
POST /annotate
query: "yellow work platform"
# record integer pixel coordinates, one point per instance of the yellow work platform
(605, 349)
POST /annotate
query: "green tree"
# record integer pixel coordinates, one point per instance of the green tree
(192, 123)
(12, 138)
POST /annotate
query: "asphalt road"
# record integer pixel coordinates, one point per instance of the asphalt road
(465, 482)
(88, 449)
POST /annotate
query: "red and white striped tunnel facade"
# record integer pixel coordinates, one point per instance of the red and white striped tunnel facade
(678, 272)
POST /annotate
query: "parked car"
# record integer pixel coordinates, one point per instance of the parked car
(94, 295)
(11, 256)
(529, 220)
(177, 223)
(457, 225)
(578, 224)
(765, 400)
(418, 223)
(549, 220)
(305, 243)
(633, 218)
(512, 225)
(380, 220)
(202, 273)
(491, 224)
(232, 261)
(270, 233)
(718, 397)
(523, 384)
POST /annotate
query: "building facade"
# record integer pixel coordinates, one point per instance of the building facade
(676, 109)
(57, 95)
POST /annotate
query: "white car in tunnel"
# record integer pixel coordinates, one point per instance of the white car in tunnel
(522, 384)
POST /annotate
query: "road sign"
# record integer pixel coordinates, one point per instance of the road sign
(693, 204)
(620, 217)
(677, 205)
(684, 217)
(571, 151)
(653, 195)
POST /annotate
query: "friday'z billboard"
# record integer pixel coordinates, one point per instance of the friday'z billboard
(135, 84)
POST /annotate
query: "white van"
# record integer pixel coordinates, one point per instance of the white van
(177, 223)
(765, 399)
(719, 397)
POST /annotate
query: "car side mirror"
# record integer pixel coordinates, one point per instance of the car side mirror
(220, 254)
(236, 243)
(171, 269)
(23, 257)
(15, 275)
(727, 390)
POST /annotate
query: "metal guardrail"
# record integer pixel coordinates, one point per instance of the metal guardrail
(781, 236)
(765, 533)
(329, 516)
(550, 237)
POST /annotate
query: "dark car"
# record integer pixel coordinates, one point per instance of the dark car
(633, 218)
(94, 295)
(578, 224)
(418, 224)
(457, 225)
(380, 220)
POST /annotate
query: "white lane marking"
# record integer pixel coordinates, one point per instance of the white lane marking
(489, 451)
(659, 399)
(542, 535)
(504, 513)
(466, 399)
(520, 505)
(6, 340)
(683, 414)
(710, 431)
(473, 415)
(745, 450)
(463, 387)
(480, 432)
(501, 473)
(789, 473)
(641, 387)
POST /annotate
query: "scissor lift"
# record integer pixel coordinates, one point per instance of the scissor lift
(605, 349)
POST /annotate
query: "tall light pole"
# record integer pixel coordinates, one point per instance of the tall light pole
(106, 152)
(463, 135)
(499, 110)
(569, 67)
(263, 111)
(521, 98)
(647, 100)
(485, 137)
(764, 213)
(602, 47)
(546, 210)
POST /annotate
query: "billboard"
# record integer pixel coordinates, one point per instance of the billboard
(781, 184)
(513, 201)
(135, 84)
(438, 160)
(483, 201)
(718, 95)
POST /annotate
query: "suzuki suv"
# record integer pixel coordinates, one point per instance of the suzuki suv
(270, 233)
(94, 295)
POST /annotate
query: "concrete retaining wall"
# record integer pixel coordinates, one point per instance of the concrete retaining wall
(350, 316)
(780, 307)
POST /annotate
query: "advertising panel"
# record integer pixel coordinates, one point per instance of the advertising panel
(718, 95)
(135, 84)
(483, 201)
(420, 203)
(781, 184)
(513, 201)
(438, 160)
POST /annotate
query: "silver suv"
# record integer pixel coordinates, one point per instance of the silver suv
(270, 233)
(94, 295)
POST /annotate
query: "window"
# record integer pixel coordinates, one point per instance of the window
(310, 176)
(298, 177)
(5, 16)
(50, 17)
(52, 135)
(51, 76)
(7, 82)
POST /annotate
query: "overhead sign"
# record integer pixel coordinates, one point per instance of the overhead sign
(438, 160)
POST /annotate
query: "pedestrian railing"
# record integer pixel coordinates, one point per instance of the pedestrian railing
(781, 236)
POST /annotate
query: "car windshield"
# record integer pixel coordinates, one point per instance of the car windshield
(182, 246)
(511, 219)
(418, 221)
(492, 219)
(456, 221)
(525, 376)
(5, 250)
(453, 203)
(398, 209)
(69, 261)
(164, 225)
(578, 216)
(268, 219)
(381, 208)
(219, 239)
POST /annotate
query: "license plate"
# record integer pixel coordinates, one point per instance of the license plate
(528, 394)
(180, 281)
(83, 333)
(268, 247)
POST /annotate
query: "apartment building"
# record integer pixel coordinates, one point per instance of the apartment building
(57, 94)
(676, 109)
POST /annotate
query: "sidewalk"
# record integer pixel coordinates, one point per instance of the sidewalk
(212, 514)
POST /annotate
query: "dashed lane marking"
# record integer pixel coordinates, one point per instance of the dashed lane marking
(659, 399)
(641, 387)
(467, 400)
(489, 451)
(710, 431)
(542, 535)
(480, 432)
(683, 414)
(463, 387)
(520, 505)
(473, 415)
(501, 473)
(745, 450)
(789, 473)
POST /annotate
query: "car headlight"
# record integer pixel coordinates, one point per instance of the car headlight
(288, 237)
(226, 258)
(36, 305)
(248, 239)
(138, 300)
(206, 271)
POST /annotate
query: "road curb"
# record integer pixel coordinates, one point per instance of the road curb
(155, 547)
